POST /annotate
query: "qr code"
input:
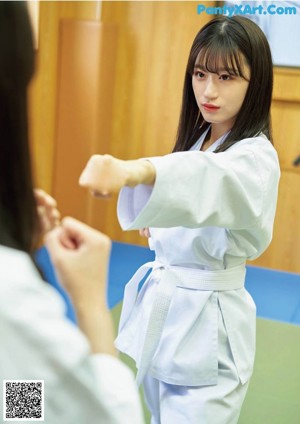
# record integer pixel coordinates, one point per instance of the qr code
(23, 400)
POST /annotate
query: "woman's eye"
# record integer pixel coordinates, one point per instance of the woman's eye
(225, 77)
(199, 74)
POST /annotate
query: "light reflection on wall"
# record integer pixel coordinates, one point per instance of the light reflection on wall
(33, 9)
(280, 21)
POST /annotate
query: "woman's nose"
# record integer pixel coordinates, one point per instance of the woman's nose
(210, 89)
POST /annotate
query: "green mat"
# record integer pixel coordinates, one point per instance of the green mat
(274, 393)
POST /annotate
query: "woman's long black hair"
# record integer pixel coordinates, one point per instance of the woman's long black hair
(19, 226)
(229, 41)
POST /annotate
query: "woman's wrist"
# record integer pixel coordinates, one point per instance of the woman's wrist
(96, 324)
(140, 171)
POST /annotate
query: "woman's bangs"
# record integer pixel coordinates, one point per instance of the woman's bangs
(221, 58)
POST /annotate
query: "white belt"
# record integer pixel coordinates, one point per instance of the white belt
(170, 278)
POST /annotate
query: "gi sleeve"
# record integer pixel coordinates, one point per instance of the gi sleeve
(236, 189)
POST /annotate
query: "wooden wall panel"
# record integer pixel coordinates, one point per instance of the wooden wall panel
(84, 105)
(286, 123)
(284, 251)
(43, 88)
(286, 115)
(286, 84)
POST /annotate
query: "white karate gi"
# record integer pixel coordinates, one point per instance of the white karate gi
(39, 343)
(192, 328)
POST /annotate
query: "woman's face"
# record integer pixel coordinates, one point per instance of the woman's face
(220, 95)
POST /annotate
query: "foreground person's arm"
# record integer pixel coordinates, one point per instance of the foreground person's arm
(83, 272)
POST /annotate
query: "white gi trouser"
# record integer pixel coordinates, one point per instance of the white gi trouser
(167, 402)
(218, 404)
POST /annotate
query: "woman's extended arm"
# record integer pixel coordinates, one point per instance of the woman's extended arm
(105, 175)
(236, 189)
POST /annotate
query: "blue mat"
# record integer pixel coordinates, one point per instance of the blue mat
(124, 261)
(276, 293)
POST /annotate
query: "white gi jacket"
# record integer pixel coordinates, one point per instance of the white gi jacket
(208, 213)
(39, 343)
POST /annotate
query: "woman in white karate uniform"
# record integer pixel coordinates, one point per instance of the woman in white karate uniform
(209, 207)
(84, 382)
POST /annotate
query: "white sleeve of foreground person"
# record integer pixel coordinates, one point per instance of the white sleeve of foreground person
(39, 343)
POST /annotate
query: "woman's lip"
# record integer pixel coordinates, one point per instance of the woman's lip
(210, 107)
